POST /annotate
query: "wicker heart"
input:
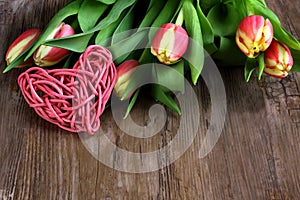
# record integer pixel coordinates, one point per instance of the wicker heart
(74, 98)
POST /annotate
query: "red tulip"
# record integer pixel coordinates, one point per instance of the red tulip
(169, 43)
(20, 45)
(46, 55)
(278, 60)
(124, 73)
(254, 34)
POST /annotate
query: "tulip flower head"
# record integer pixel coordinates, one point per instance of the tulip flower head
(124, 73)
(254, 35)
(46, 55)
(278, 60)
(20, 45)
(169, 43)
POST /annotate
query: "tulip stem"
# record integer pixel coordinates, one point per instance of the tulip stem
(180, 18)
(249, 11)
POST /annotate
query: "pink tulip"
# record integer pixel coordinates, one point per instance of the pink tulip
(169, 43)
(124, 73)
(254, 35)
(20, 45)
(46, 55)
(278, 60)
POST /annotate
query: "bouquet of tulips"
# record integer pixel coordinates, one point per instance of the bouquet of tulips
(91, 49)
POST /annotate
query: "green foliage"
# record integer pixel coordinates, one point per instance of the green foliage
(70, 9)
(224, 19)
(132, 102)
(296, 57)
(89, 13)
(165, 16)
(210, 24)
(261, 65)
(250, 66)
(83, 38)
(226, 57)
(108, 2)
(195, 53)
(206, 29)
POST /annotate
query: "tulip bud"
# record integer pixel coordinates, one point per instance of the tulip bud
(169, 43)
(254, 34)
(278, 60)
(20, 45)
(46, 55)
(124, 72)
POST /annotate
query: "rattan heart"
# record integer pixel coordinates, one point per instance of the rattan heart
(74, 98)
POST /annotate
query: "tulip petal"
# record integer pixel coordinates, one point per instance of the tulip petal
(124, 73)
(278, 60)
(20, 44)
(47, 55)
(169, 43)
(254, 35)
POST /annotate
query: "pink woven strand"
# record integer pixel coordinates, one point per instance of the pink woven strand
(73, 99)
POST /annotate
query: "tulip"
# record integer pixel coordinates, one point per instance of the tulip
(46, 55)
(124, 73)
(20, 45)
(278, 60)
(169, 43)
(254, 35)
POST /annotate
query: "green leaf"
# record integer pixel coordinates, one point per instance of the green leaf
(228, 53)
(141, 76)
(122, 29)
(207, 5)
(164, 16)
(224, 19)
(89, 13)
(250, 66)
(262, 2)
(127, 45)
(206, 28)
(121, 32)
(261, 65)
(166, 13)
(296, 58)
(70, 9)
(112, 16)
(108, 2)
(131, 103)
(165, 76)
(103, 37)
(75, 44)
(159, 94)
(195, 52)
(152, 13)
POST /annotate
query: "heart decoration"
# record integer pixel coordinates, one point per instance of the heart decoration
(73, 99)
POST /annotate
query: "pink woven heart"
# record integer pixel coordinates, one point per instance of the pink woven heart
(74, 98)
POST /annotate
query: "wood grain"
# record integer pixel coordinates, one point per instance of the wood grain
(256, 157)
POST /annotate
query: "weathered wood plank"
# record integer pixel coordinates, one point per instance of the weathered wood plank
(256, 157)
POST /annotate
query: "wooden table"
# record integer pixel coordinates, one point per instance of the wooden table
(256, 157)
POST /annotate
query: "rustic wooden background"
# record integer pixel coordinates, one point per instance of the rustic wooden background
(256, 157)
